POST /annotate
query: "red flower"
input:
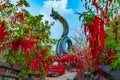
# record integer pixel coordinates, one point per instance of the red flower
(96, 34)
(22, 18)
(15, 20)
(44, 52)
(3, 48)
(16, 44)
(34, 65)
(27, 45)
(2, 33)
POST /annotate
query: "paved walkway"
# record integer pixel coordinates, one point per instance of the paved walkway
(65, 76)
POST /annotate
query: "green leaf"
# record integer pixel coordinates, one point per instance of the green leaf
(29, 71)
(0, 49)
(23, 2)
(26, 3)
(118, 54)
(6, 51)
(116, 64)
(12, 59)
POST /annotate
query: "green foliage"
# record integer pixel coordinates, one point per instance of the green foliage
(116, 63)
(88, 16)
(110, 42)
(23, 2)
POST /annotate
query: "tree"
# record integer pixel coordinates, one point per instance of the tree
(24, 38)
(80, 40)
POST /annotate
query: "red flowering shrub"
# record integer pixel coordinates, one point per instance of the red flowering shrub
(24, 38)
(101, 27)
(2, 32)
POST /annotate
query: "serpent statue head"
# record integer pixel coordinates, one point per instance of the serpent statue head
(55, 15)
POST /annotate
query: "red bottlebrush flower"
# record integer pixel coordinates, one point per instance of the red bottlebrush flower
(34, 65)
(35, 37)
(102, 35)
(96, 33)
(45, 64)
(27, 52)
(44, 52)
(111, 57)
(110, 53)
(15, 44)
(3, 48)
(22, 18)
(40, 67)
(96, 22)
(2, 33)
(27, 46)
(15, 20)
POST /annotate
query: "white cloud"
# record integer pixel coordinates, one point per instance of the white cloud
(58, 5)
(61, 7)
(14, 1)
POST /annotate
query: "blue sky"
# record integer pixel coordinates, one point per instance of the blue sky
(66, 8)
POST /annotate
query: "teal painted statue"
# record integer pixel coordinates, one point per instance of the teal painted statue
(61, 47)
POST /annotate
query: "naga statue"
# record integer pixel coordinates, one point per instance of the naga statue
(61, 47)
